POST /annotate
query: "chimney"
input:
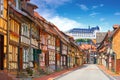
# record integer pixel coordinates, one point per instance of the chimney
(116, 26)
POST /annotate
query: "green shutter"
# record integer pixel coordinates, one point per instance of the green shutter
(39, 51)
(36, 52)
(36, 58)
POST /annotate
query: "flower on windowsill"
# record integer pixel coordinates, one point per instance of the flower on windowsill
(14, 33)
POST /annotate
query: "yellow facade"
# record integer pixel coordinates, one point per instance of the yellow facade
(14, 40)
(3, 27)
(116, 43)
(14, 30)
(3, 17)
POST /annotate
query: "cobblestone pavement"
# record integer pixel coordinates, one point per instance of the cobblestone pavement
(87, 72)
(116, 76)
(56, 74)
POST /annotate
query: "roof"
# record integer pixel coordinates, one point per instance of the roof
(31, 4)
(36, 14)
(100, 36)
(114, 32)
(87, 47)
(84, 30)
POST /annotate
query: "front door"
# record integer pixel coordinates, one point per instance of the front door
(1, 52)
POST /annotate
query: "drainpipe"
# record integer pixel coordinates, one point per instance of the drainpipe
(115, 61)
(67, 58)
(18, 72)
(39, 47)
(7, 34)
(30, 44)
(115, 56)
(60, 54)
(55, 54)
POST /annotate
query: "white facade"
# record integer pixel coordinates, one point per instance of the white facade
(89, 33)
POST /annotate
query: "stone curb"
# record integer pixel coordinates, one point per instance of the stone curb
(66, 73)
(109, 76)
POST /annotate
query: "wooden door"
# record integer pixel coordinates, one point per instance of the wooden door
(1, 52)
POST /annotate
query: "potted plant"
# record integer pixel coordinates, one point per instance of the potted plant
(29, 71)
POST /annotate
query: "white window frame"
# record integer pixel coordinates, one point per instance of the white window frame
(25, 29)
(1, 7)
(17, 4)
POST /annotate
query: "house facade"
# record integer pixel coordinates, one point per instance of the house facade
(108, 51)
(27, 40)
(3, 34)
(84, 33)
(114, 51)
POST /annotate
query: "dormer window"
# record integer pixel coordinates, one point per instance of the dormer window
(1, 8)
(16, 3)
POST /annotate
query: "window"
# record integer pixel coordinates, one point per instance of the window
(1, 8)
(63, 60)
(25, 29)
(51, 57)
(35, 32)
(16, 3)
(42, 59)
(13, 53)
(25, 58)
(14, 26)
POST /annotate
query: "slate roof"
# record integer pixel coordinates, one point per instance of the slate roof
(83, 30)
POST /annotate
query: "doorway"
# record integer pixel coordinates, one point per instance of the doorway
(1, 52)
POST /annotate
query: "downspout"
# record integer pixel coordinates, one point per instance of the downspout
(60, 53)
(67, 58)
(55, 54)
(18, 72)
(39, 47)
(115, 56)
(7, 34)
(115, 61)
(30, 45)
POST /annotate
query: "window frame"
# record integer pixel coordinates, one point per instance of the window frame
(1, 8)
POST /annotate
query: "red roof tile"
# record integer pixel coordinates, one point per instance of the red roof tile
(36, 14)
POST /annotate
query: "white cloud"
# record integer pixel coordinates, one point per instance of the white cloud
(65, 24)
(55, 2)
(94, 7)
(50, 3)
(105, 26)
(117, 13)
(62, 23)
(101, 5)
(97, 6)
(49, 14)
(83, 7)
(102, 19)
(94, 14)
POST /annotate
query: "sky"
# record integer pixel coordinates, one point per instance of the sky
(68, 14)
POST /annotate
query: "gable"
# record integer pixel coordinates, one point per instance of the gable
(116, 43)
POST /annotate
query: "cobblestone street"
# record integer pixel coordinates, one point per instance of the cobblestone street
(87, 72)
